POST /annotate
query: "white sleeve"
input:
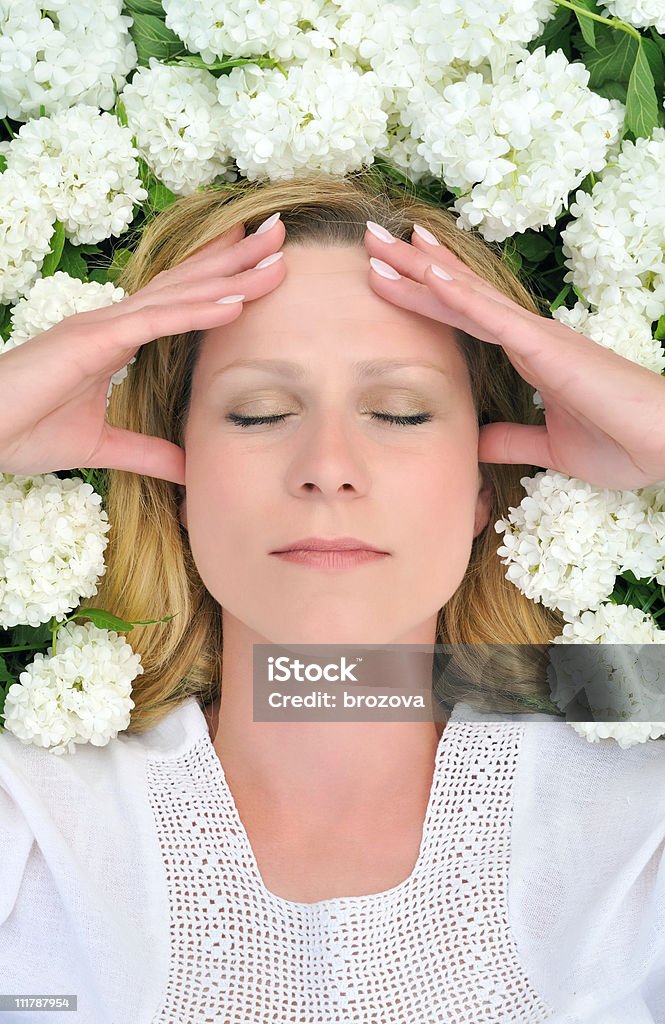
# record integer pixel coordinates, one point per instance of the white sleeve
(587, 875)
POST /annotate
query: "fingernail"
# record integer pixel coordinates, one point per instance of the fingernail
(267, 224)
(426, 235)
(384, 269)
(231, 298)
(267, 260)
(441, 273)
(380, 232)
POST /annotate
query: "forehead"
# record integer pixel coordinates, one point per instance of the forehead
(325, 308)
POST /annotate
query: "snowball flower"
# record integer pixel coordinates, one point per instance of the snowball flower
(622, 674)
(516, 143)
(84, 164)
(26, 228)
(53, 298)
(55, 53)
(52, 542)
(449, 30)
(283, 29)
(615, 245)
(322, 116)
(81, 694)
(640, 13)
(174, 116)
(567, 541)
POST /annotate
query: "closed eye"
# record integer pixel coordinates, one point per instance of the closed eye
(248, 421)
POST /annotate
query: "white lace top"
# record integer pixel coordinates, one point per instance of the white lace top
(538, 893)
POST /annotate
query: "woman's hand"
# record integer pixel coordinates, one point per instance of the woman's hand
(54, 386)
(605, 415)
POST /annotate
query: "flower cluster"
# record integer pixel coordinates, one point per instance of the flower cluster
(81, 694)
(55, 53)
(567, 541)
(51, 299)
(52, 543)
(615, 246)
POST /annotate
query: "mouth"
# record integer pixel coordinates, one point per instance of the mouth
(322, 544)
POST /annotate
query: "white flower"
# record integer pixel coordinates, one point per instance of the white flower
(322, 116)
(53, 298)
(621, 675)
(473, 30)
(615, 246)
(79, 695)
(61, 52)
(516, 143)
(52, 542)
(282, 29)
(175, 118)
(567, 541)
(640, 13)
(84, 164)
(26, 228)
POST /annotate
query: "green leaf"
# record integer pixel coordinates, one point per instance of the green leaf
(660, 329)
(556, 34)
(587, 25)
(73, 263)
(5, 322)
(194, 60)
(104, 619)
(641, 103)
(561, 298)
(120, 257)
(612, 60)
(532, 246)
(153, 7)
(511, 256)
(52, 259)
(99, 276)
(5, 675)
(612, 90)
(656, 58)
(3, 163)
(160, 196)
(153, 39)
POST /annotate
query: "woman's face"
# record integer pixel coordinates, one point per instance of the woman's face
(330, 468)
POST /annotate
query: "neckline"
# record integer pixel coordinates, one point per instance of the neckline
(333, 902)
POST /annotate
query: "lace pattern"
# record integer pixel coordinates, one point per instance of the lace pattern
(436, 948)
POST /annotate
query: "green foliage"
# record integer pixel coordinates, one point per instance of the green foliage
(153, 39)
(52, 258)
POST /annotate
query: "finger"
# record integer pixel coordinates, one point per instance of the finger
(251, 283)
(139, 453)
(412, 263)
(515, 444)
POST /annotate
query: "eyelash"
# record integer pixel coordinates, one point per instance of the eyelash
(247, 421)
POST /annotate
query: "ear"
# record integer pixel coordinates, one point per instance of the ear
(483, 502)
(182, 505)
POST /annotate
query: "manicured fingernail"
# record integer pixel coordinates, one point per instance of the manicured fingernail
(267, 260)
(231, 298)
(384, 269)
(267, 224)
(426, 235)
(441, 273)
(380, 232)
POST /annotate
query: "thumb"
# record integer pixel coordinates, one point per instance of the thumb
(139, 453)
(514, 444)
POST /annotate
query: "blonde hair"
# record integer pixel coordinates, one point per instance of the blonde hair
(150, 570)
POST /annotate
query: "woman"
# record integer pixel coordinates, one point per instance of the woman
(211, 866)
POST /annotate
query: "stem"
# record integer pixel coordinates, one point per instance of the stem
(612, 22)
(8, 127)
(27, 647)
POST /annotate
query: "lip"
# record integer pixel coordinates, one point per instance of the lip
(328, 544)
(334, 559)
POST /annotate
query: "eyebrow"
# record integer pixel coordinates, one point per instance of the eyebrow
(362, 369)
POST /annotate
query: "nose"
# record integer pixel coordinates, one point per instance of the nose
(328, 457)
